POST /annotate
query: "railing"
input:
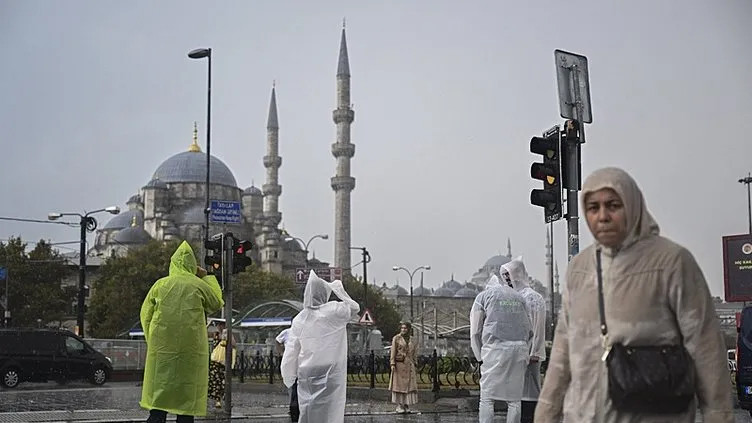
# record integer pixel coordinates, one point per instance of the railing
(433, 372)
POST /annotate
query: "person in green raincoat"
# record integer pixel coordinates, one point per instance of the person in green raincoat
(173, 317)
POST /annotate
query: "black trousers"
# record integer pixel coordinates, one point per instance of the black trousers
(294, 408)
(528, 411)
(159, 416)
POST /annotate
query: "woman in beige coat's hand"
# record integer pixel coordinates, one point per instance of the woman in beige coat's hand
(654, 294)
(403, 382)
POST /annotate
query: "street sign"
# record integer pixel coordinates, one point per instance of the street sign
(366, 318)
(737, 267)
(574, 86)
(328, 274)
(225, 212)
(3, 273)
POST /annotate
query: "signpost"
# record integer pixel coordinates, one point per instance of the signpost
(737, 267)
(225, 212)
(328, 274)
(573, 83)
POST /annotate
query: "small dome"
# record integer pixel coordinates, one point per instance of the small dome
(400, 290)
(132, 235)
(135, 199)
(292, 245)
(156, 184)
(443, 292)
(124, 219)
(466, 293)
(452, 285)
(422, 291)
(253, 191)
(193, 215)
(190, 166)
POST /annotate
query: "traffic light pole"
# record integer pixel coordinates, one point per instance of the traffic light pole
(227, 253)
(573, 170)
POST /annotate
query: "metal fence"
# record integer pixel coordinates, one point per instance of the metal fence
(433, 372)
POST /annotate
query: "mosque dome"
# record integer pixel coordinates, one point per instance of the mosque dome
(133, 234)
(466, 293)
(124, 219)
(443, 292)
(422, 291)
(497, 261)
(452, 285)
(253, 191)
(190, 166)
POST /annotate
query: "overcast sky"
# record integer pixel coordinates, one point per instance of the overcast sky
(96, 94)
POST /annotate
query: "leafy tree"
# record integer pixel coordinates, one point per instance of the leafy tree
(34, 289)
(254, 286)
(122, 284)
(383, 311)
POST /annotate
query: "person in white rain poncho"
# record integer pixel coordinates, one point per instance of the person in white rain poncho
(514, 273)
(499, 336)
(316, 352)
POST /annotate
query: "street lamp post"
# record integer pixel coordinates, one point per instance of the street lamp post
(411, 274)
(88, 224)
(366, 260)
(200, 53)
(306, 244)
(748, 180)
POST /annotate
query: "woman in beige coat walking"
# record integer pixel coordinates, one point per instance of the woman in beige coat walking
(654, 294)
(403, 382)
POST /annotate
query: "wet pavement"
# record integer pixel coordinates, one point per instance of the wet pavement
(118, 402)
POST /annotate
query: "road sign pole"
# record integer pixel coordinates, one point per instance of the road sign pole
(228, 253)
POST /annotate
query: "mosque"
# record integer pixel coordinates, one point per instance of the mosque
(170, 206)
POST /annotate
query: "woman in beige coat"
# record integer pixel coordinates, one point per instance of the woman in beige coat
(654, 294)
(403, 382)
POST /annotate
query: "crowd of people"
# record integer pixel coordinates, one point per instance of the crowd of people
(637, 338)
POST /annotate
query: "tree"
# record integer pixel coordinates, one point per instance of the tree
(34, 289)
(122, 284)
(255, 285)
(383, 311)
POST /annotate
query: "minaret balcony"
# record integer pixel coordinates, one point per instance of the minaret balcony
(343, 115)
(343, 150)
(272, 161)
(272, 189)
(343, 183)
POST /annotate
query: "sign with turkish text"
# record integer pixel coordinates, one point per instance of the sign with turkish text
(737, 267)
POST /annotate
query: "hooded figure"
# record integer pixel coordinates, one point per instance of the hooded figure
(499, 336)
(654, 294)
(514, 272)
(173, 317)
(316, 351)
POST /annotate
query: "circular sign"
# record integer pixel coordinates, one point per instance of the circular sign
(747, 248)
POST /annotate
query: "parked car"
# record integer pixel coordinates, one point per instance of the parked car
(39, 355)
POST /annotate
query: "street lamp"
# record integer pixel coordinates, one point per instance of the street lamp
(88, 224)
(411, 274)
(748, 180)
(200, 53)
(306, 244)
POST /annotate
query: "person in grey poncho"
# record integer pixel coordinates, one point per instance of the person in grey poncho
(654, 294)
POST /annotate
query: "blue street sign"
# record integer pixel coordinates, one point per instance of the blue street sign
(3, 273)
(265, 321)
(225, 212)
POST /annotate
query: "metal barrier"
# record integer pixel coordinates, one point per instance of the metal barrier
(259, 363)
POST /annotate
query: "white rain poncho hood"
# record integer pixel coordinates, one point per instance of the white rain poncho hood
(316, 351)
(499, 335)
(517, 273)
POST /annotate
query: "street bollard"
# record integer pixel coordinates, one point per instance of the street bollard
(435, 371)
(242, 366)
(373, 370)
(271, 367)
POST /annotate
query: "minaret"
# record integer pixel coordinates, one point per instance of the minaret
(509, 248)
(343, 151)
(549, 259)
(270, 256)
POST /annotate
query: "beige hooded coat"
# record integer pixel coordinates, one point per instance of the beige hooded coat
(655, 294)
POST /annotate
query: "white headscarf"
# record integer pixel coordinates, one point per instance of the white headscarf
(640, 224)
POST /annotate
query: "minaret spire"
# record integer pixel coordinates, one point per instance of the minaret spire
(343, 150)
(194, 148)
(509, 248)
(271, 257)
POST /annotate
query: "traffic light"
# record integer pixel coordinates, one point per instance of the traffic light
(239, 260)
(548, 146)
(213, 258)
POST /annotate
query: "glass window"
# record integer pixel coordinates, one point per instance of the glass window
(74, 345)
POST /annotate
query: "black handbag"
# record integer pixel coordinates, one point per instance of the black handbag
(646, 379)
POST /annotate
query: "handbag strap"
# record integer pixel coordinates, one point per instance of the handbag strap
(601, 306)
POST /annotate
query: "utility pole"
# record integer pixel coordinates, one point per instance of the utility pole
(227, 251)
(748, 180)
